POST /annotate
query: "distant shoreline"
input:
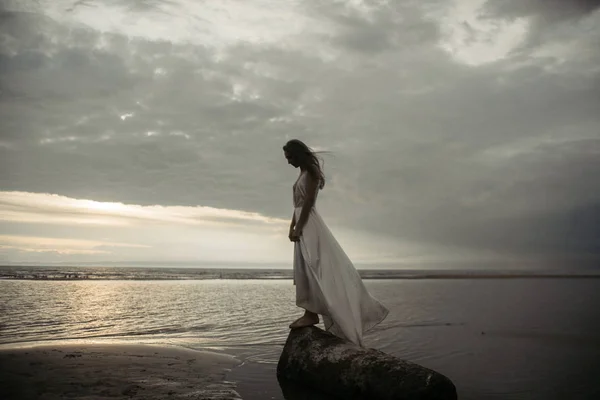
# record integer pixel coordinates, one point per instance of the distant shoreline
(490, 276)
(420, 277)
(87, 273)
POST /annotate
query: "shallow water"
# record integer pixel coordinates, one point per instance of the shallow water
(495, 338)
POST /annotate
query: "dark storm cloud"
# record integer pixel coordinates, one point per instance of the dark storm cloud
(548, 17)
(547, 10)
(384, 27)
(108, 124)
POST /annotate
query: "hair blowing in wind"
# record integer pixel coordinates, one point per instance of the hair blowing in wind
(307, 157)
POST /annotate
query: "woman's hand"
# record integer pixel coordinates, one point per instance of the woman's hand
(295, 234)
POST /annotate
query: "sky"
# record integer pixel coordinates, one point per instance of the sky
(460, 132)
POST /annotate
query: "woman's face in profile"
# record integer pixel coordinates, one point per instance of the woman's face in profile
(291, 159)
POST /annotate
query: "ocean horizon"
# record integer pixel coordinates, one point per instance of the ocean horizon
(62, 272)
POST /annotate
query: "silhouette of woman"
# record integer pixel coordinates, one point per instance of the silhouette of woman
(326, 281)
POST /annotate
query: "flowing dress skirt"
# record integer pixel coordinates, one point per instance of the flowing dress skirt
(328, 284)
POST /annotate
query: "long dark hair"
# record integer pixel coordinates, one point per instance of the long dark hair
(308, 158)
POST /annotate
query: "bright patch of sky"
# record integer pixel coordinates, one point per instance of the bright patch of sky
(475, 39)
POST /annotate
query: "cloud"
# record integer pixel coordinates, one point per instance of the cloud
(548, 10)
(60, 246)
(86, 230)
(473, 40)
(374, 27)
(551, 22)
(38, 225)
(456, 128)
(48, 208)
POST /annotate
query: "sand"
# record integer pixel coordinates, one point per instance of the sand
(114, 372)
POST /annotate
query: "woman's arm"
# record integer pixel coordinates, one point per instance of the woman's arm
(309, 201)
(291, 235)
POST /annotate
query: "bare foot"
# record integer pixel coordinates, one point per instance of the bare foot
(293, 324)
(305, 320)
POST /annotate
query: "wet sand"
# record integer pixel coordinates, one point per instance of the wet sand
(114, 371)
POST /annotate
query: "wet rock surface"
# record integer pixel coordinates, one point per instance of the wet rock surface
(329, 364)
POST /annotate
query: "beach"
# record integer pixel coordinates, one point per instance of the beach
(496, 339)
(114, 371)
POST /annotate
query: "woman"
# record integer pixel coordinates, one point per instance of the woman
(326, 281)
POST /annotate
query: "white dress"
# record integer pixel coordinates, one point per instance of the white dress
(327, 282)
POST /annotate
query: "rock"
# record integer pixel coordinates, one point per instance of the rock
(330, 364)
(297, 391)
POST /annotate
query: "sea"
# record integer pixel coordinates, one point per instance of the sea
(495, 334)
